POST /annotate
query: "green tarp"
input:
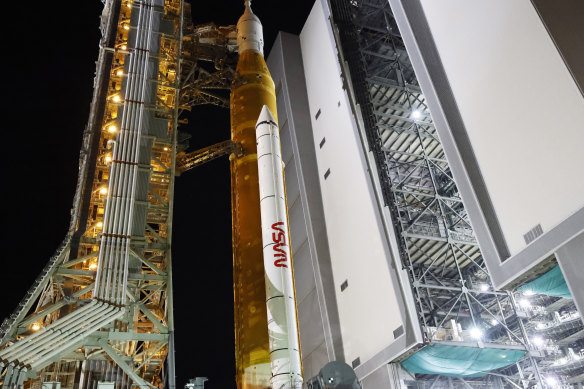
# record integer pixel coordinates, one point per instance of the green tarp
(454, 361)
(551, 283)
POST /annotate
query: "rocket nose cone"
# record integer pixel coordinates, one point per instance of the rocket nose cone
(266, 117)
(248, 14)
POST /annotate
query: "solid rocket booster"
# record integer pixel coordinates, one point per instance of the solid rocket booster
(252, 89)
(280, 297)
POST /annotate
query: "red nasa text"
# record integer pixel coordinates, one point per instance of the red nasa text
(279, 238)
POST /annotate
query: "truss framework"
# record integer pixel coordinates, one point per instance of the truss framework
(61, 331)
(455, 301)
(131, 344)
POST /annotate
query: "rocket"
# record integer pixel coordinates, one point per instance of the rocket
(259, 364)
(280, 296)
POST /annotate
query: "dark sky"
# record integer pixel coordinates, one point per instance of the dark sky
(48, 64)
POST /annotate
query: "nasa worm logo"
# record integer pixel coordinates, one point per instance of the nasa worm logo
(279, 238)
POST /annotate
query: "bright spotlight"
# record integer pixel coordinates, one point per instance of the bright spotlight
(524, 303)
(552, 381)
(416, 114)
(538, 341)
(494, 322)
(484, 287)
(476, 333)
(528, 293)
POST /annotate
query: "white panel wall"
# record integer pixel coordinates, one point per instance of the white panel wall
(521, 108)
(368, 308)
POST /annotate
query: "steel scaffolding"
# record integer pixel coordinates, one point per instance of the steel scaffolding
(456, 303)
(101, 310)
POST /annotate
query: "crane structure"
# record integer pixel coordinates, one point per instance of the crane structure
(101, 311)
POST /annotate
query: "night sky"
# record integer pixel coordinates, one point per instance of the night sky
(48, 63)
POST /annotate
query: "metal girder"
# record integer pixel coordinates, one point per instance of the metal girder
(119, 360)
(152, 317)
(187, 161)
(9, 324)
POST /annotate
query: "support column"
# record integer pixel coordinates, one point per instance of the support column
(570, 257)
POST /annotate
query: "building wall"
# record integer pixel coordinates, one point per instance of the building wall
(511, 84)
(505, 104)
(359, 250)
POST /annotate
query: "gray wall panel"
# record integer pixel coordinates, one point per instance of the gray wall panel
(297, 224)
(292, 185)
(378, 379)
(303, 272)
(311, 334)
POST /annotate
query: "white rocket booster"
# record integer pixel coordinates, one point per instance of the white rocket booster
(280, 301)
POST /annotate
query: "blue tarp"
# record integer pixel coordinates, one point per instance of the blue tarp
(551, 283)
(454, 361)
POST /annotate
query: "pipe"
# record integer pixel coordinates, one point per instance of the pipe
(53, 334)
(280, 297)
(111, 279)
(99, 324)
(32, 339)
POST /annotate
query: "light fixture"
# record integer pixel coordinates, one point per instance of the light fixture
(494, 322)
(416, 114)
(108, 159)
(129, 5)
(93, 266)
(99, 224)
(116, 98)
(476, 333)
(484, 287)
(126, 27)
(123, 47)
(111, 129)
(538, 341)
(524, 303)
(165, 149)
(103, 190)
(120, 73)
(551, 381)
(36, 326)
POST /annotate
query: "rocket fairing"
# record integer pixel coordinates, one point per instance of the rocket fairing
(280, 296)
